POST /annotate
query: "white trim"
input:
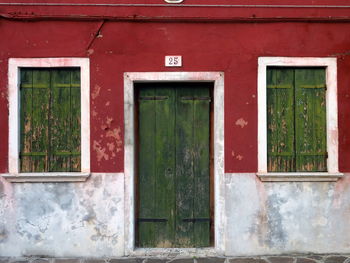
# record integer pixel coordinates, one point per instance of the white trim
(218, 79)
(299, 177)
(331, 107)
(46, 177)
(14, 105)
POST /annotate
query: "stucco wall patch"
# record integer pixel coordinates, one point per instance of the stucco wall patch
(65, 219)
(281, 218)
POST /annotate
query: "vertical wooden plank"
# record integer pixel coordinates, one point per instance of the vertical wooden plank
(26, 94)
(60, 116)
(147, 167)
(75, 121)
(280, 120)
(311, 142)
(165, 164)
(201, 150)
(40, 115)
(184, 167)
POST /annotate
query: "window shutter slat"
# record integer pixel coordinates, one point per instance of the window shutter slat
(280, 120)
(26, 120)
(63, 121)
(75, 109)
(311, 142)
(39, 115)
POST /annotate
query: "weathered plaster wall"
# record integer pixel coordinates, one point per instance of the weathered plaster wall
(87, 219)
(63, 219)
(274, 218)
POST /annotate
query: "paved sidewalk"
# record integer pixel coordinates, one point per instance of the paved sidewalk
(262, 259)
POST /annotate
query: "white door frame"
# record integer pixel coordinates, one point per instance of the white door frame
(129, 161)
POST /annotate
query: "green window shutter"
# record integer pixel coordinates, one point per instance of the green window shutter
(50, 120)
(35, 93)
(310, 120)
(280, 120)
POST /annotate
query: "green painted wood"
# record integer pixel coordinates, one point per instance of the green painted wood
(64, 121)
(50, 120)
(75, 130)
(296, 119)
(184, 167)
(165, 165)
(173, 186)
(310, 120)
(40, 118)
(26, 120)
(60, 121)
(280, 120)
(147, 168)
(201, 152)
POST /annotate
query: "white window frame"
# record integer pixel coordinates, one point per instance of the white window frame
(330, 65)
(15, 64)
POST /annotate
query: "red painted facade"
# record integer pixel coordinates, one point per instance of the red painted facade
(120, 39)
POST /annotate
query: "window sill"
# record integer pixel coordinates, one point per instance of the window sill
(46, 177)
(299, 177)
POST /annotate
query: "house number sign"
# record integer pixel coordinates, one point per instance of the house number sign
(173, 61)
(173, 1)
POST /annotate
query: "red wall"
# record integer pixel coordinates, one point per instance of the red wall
(232, 47)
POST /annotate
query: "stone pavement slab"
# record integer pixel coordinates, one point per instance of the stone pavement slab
(310, 258)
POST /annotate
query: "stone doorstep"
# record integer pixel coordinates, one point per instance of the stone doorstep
(312, 258)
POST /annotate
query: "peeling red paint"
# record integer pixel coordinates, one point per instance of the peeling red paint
(90, 52)
(239, 157)
(100, 152)
(116, 134)
(241, 122)
(96, 92)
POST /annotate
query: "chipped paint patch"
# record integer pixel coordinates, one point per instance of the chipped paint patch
(239, 157)
(116, 134)
(241, 122)
(90, 51)
(100, 151)
(96, 92)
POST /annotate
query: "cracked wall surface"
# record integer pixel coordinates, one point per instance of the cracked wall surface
(63, 219)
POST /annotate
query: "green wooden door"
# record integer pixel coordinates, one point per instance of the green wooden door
(173, 165)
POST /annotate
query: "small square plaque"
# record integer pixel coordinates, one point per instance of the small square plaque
(173, 61)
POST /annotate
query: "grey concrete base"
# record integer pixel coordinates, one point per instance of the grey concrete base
(310, 258)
